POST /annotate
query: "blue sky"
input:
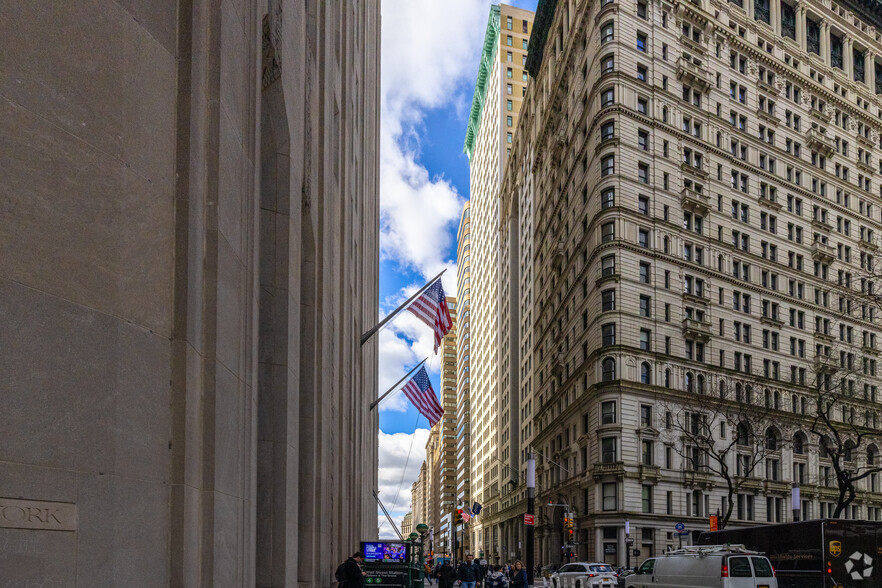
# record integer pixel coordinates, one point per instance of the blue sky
(428, 78)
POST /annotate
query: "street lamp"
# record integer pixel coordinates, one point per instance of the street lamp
(531, 508)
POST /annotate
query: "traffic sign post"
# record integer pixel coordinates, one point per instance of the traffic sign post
(529, 519)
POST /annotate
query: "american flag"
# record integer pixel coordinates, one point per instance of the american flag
(431, 308)
(419, 391)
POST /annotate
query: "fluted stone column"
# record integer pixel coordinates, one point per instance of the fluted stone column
(800, 27)
(775, 15)
(825, 42)
(848, 57)
(870, 71)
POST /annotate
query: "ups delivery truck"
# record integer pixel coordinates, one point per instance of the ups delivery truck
(827, 553)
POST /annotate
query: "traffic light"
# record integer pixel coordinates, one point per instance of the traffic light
(570, 521)
(457, 520)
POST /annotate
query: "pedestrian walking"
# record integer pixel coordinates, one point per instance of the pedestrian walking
(350, 574)
(519, 577)
(496, 579)
(446, 575)
(427, 568)
(469, 572)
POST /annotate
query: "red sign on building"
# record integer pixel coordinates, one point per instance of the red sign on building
(713, 523)
(528, 519)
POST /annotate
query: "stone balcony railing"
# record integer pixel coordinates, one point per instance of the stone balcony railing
(817, 140)
(823, 252)
(695, 201)
(825, 363)
(615, 469)
(696, 329)
(691, 71)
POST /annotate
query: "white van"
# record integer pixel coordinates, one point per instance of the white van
(708, 566)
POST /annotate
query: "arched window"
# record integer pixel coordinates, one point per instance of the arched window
(609, 369)
(777, 400)
(802, 405)
(742, 434)
(768, 398)
(700, 381)
(723, 389)
(872, 453)
(771, 439)
(739, 393)
(794, 405)
(666, 244)
(798, 443)
(748, 395)
(824, 447)
(645, 373)
(689, 384)
(667, 378)
(848, 455)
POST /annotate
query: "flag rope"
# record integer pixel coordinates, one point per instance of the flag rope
(406, 461)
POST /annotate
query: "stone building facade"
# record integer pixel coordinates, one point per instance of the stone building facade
(463, 372)
(190, 238)
(495, 459)
(701, 179)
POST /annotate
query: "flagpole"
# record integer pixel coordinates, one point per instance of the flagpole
(386, 512)
(390, 390)
(368, 334)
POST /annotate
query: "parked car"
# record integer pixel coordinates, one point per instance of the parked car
(712, 566)
(585, 575)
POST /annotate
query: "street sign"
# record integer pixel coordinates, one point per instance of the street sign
(528, 519)
(682, 533)
(679, 526)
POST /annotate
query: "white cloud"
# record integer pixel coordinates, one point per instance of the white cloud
(429, 49)
(393, 474)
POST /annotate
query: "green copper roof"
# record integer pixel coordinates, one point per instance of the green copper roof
(491, 44)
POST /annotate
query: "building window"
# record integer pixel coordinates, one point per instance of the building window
(608, 450)
(643, 140)
(608, 266)
(643, 173)
(643, 205)
(641, 73)
(609, 334)
(509, 106)
(645, 268)
(607, 32)
(607, 97)
(642, 105)
(608, 367)
(647, 498)
(607, 232)
(645, 339)
(641, 42)
(645, 373)
(608, 409)
(641, 10)
(608, 198)
(607, 130)
(609, 496)
(509, 121)
(508, 138)
(645, 414)
(608, 300)
(645, 302)
(607, 64)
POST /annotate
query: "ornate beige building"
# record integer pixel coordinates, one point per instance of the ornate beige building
(463, 381)
(699, 179)
(190, 243)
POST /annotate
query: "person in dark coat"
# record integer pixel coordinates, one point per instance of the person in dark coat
(519, 576)
(446, 576)
(353, 575)
(469, 572)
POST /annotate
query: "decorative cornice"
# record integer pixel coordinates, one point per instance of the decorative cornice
(491, 44)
